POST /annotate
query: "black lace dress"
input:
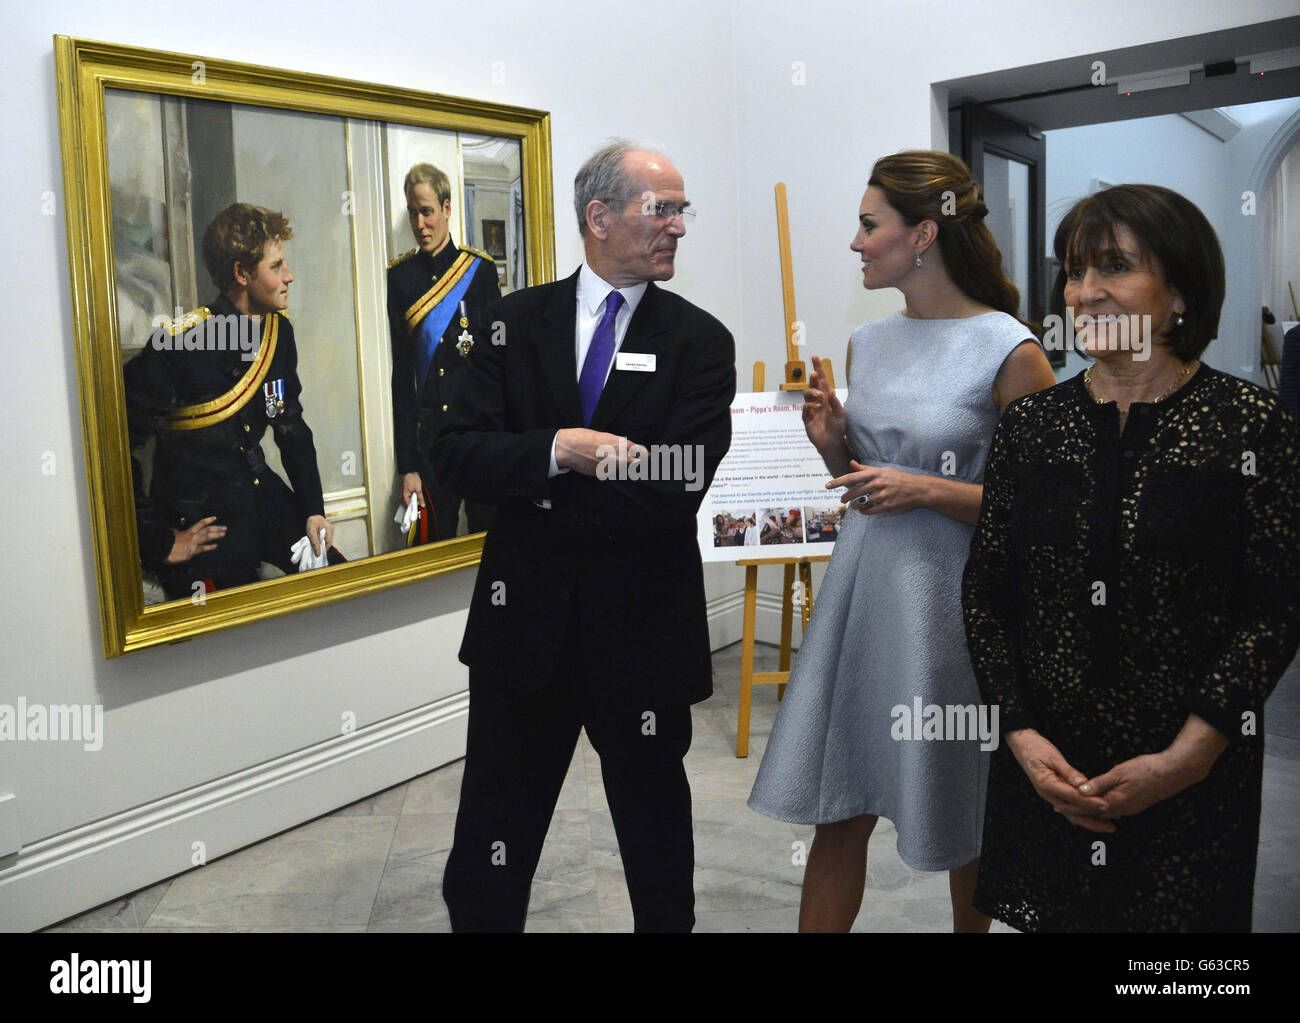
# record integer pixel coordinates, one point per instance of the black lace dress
(1116, 584)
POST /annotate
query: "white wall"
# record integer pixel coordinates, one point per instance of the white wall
(1168, 150)
(711, 81)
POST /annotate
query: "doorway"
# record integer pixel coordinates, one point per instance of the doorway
(1038, 138)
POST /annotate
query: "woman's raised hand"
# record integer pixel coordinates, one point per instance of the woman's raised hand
(823, 415)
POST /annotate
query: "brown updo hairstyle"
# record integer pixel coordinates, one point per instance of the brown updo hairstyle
(920, 184)
(1172, 231)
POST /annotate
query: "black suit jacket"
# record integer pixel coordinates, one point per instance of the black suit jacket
(621, 554)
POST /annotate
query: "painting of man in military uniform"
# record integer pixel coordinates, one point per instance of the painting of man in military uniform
(207, 386)
(433, 290)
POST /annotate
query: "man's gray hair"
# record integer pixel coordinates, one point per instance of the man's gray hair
(604, 177)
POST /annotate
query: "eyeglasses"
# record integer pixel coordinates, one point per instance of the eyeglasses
(665, 208)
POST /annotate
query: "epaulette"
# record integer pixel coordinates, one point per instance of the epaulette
(405, 255)
(477, 252)
(187, 322)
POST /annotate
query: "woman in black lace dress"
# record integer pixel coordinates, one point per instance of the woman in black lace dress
(1132, 597)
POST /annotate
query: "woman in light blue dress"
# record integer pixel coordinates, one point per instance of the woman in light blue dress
(881, 716)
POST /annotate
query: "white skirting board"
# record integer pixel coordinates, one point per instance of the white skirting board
(69, 873)
(77, 870)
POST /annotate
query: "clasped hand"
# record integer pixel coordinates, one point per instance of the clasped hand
(1126, 789)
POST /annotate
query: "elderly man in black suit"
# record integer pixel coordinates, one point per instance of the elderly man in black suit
(588, 611)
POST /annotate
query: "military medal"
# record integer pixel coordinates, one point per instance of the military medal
(274, 393)
(464, 340)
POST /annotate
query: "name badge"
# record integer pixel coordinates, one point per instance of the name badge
(636, 362)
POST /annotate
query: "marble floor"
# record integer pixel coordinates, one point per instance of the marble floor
(377, 865)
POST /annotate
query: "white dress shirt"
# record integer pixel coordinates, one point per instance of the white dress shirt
(592, 292)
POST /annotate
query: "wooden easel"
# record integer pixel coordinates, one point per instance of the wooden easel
(796, 379)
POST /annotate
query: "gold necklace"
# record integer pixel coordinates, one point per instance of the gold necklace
(1188, 367)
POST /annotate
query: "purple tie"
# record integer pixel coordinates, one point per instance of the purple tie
(596, 366)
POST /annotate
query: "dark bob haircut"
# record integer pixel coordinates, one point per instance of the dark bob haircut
(1169, 229)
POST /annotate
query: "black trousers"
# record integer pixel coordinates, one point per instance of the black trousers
(518, 752)
(278, 527)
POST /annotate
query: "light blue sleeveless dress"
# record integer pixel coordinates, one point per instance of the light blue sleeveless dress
(887, 626)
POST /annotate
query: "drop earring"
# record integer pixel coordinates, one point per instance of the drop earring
(918, 259)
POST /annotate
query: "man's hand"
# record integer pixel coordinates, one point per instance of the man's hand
(199, 538)
(1056, 781)
(314, 525)
(411, 484)
(582, 450)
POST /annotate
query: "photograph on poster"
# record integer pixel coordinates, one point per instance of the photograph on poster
(735, 528)
(824, 522)
(780, 525)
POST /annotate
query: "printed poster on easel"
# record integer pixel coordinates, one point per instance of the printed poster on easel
(769, 496)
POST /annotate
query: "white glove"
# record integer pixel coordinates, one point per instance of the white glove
(408, 513)
(302, 555)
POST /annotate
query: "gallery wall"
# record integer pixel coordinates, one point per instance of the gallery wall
(213, 740)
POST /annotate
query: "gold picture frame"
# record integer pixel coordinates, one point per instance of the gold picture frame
(85, 70)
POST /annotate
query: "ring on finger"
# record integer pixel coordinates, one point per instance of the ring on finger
(863, 500)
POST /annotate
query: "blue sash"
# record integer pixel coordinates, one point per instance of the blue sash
(428, 330)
